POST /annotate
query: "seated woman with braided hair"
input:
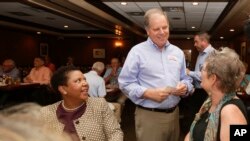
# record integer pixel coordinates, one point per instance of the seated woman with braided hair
(220, 77)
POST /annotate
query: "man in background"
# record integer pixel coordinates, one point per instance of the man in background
(203, 46)
(39, 73)
(95, 81)
(9, 69)
(112, 73)
(97, 87)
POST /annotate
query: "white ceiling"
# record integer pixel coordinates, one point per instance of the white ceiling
(30, 14)
(101, 18)
(202, 16)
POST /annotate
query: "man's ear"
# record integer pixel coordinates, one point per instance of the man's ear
(62, 90)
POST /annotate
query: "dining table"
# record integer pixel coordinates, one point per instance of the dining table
(26, 92)
(112, 93)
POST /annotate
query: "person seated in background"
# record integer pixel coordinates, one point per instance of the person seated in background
(221, 75)
(95, 81)
(49, 64)
(112, 73)
(39, 73)
(97, 86)
(111, 78)
(9, 69)
(22, 123)
(82, 117)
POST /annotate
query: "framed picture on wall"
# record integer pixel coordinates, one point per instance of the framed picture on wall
(44, 49)
(98, 53)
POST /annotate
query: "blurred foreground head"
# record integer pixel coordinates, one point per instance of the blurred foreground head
(22, 123)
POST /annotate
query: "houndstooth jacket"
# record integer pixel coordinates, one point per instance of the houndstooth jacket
(98, 123)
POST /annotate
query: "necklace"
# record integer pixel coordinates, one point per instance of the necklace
(73, 109)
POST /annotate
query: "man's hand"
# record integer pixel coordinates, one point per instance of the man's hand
(157, 94)
(181, 89)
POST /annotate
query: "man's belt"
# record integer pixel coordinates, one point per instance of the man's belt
(169, 110)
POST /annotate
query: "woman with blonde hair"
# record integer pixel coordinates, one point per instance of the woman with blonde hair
(220, 77)
(22, 123)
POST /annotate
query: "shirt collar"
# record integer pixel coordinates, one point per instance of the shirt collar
(94, 72)
(207, 49)
(154, 45)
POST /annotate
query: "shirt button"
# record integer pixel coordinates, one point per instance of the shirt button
(83, 138)
(77, 122)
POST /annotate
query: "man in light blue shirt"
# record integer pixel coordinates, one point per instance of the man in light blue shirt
(194, 102)
(96, 82)
(202, 44)
(112, 73)
(154, 78)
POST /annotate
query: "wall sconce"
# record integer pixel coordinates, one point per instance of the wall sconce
(118, 43)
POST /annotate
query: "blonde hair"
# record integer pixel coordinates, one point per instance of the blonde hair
(22, 123)
(227, 66)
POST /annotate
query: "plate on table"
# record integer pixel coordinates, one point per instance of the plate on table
(109, 90)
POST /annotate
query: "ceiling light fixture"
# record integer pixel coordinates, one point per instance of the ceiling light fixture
(195, 3)
(38, 32)
(231, 30)
(188, 38)
(89, 37)
(124, 3)
(65, 26)
(193, 27)
(221, 37)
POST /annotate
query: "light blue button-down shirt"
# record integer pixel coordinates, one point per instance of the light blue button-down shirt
(147, 66)
(196, 74)
(96, 84)
(114, 79)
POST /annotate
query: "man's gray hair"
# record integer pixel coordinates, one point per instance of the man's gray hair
(150, 12)
(98, 66)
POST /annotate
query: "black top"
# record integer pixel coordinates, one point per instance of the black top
(201, 125)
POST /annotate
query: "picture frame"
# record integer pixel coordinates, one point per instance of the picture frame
(98, 53)
(44, 49)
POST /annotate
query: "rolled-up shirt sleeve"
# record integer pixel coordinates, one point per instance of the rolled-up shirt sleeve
(148, 67)
(187, 80)
(128, 81)
(195, 75)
